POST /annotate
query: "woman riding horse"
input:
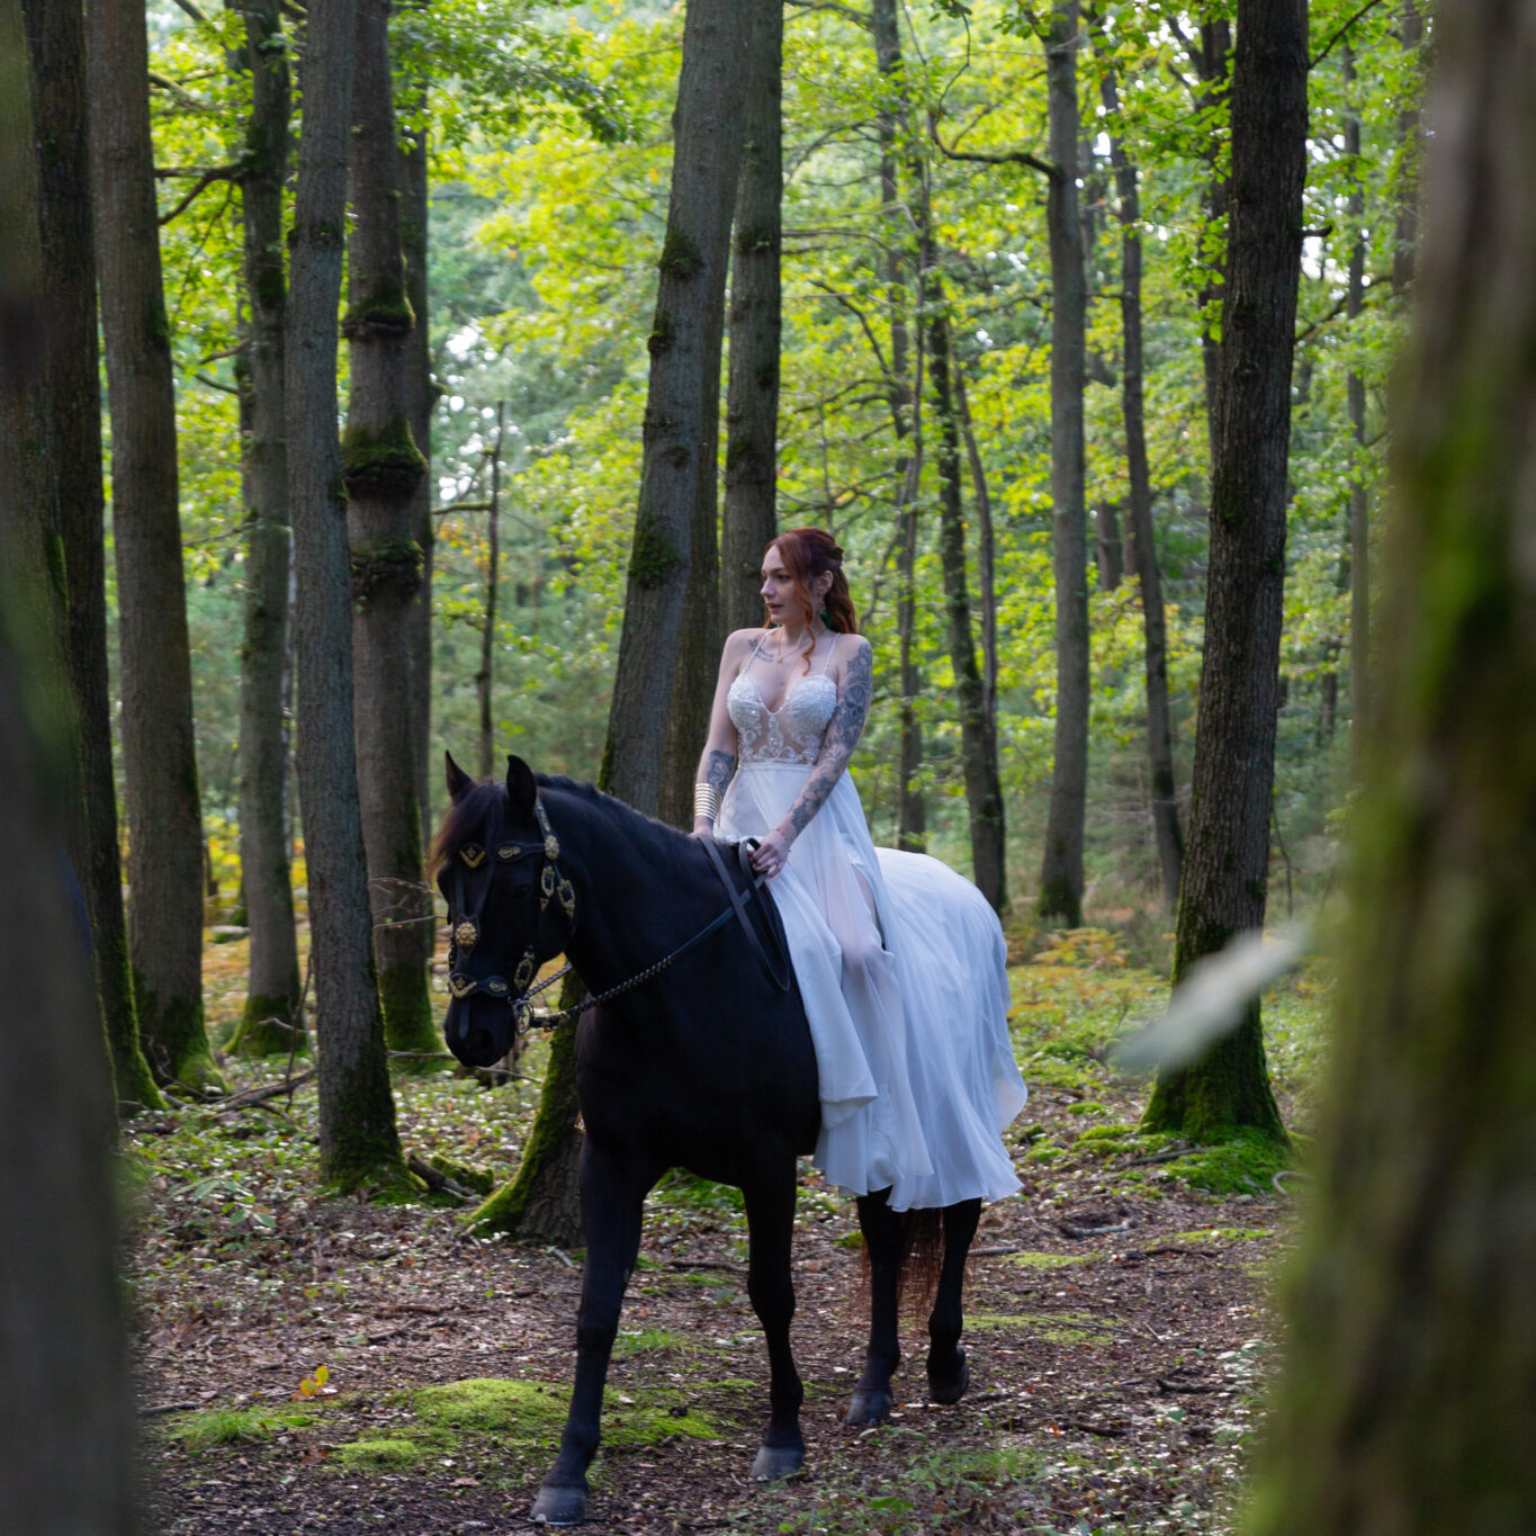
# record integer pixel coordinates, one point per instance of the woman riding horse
(885, 1051)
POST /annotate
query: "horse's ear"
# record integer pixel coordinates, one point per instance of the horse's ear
(459, 782)
(522, 787)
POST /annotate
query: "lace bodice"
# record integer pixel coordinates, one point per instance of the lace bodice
(792, 733)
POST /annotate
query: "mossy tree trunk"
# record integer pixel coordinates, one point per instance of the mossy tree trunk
(56, 46)
(272, 995)
(1405, 1402)
(1226, 871)
(359, 1142)
(1359, 493)
(165, 847)
(542, 1201)
(1211, 57)
(382, 468)
(752, 402)
(1165, 810)
(894, 125)
(1061, 870)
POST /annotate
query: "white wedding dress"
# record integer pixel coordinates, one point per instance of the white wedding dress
(902, 969)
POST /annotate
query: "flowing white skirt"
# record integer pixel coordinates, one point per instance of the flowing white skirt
(902, 968)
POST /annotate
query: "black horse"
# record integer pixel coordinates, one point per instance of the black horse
(708, 1066)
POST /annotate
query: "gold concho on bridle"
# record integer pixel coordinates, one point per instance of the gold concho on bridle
(546, 885)
(508, 851)
(525, 969)
(551, 847)
(461, 986)
(466, 934)
(567, 897)
(473, 855)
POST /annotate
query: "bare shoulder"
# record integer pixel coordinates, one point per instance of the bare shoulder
(740, 643)
(854, 654)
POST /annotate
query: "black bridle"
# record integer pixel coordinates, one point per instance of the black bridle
(552, 884)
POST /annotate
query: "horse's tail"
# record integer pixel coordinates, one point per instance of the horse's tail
(922, 1259)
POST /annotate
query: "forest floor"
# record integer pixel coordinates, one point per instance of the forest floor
(326, 1365)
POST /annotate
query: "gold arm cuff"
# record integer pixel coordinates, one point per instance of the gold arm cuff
(706, 802)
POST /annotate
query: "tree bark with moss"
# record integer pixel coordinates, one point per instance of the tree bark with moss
(382, 467)
(271, 1013)
(1226, 869)
(56, 47)
(1405, 1402)
(541, 1202)
(359, 1142)
(165, 846)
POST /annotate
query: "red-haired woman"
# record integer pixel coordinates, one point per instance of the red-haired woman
(900, 961)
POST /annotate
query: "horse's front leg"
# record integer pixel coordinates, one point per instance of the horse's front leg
(948, 1374)
(881, 1227)
(770, 1205)
(612, 1197)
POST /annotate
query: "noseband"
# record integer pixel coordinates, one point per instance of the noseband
(552, 885)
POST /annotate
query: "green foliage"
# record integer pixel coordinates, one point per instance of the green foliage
(233, 1426)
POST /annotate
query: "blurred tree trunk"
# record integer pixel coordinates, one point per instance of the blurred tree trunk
(1226, 871)
(986, 552)
(1061, 872)
(906, 409)
(56, 41)
(165, 862)
(359, 1144)
(1111, 547)
(66, 1415)
(752, 404)
(682, 401)
(1165, 810)
(541, 1201)
(1410, 31)
(1359, 503)
(483, 677)
(382, 468)
(1405, 1406)
(271, 1013)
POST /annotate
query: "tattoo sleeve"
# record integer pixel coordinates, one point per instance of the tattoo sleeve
(843, 732)
(719, 769)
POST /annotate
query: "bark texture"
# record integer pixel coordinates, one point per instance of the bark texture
(1226, 872)
(165, 850)
(1405, 1405)
(1359, 501)
(359, 1143)
(66, 1416)
(1165, 810)
(1212, 59)
(1061, 870)
(483, 678)
(1410, 31)
(678, 447)
(381, 469)
(272, 995)
(56, 47)
(752, 402)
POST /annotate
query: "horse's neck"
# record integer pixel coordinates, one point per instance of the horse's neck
(638, 887)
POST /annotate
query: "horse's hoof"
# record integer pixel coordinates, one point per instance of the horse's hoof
(777, 1461)
(869, 1407)
(953, 1389)
(559, 1506)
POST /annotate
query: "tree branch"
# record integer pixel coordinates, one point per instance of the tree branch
(982, 157)
(203, 182)
(1370, 5)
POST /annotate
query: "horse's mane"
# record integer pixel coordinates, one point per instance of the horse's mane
(486, 802)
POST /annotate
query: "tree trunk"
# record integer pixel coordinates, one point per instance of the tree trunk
(1165, 810)
(1227, 869)
(67, 1431)
(707, 135)
(906, 413)
(420, 398)
(165, 912)
(272, 997)
(752, 405)
(1405, 1406)
(56, 39)
(488, 623)
(986, 554)
(1410, 31)
(978, 745)
(1111, 548)
(1359, 503)
(1061, 872)
(1211, 65)
(541, 1202)
(359, 1145)
(381, 468)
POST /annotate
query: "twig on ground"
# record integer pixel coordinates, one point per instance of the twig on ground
(253, 1097)
(154, 1410)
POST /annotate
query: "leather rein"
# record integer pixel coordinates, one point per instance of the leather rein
(552, 883)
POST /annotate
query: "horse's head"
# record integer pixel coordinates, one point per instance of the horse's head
(509, 906)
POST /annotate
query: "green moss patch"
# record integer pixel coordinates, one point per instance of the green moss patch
(648, 1341)
(1048, 1260)
(380, 1455)
(1052, 1327)
(232, 1426)
(1245, 1165)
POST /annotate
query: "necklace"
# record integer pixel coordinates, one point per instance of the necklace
(780, 658)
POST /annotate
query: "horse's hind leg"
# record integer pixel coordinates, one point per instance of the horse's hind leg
(881, 1227)
(612, 1198)
(948, 1373)
(771, 1222)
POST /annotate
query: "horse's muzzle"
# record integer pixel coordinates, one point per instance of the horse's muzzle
(479, 1030)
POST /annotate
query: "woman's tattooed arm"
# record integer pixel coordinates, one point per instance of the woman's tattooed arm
(843, 732)
(718, 769)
